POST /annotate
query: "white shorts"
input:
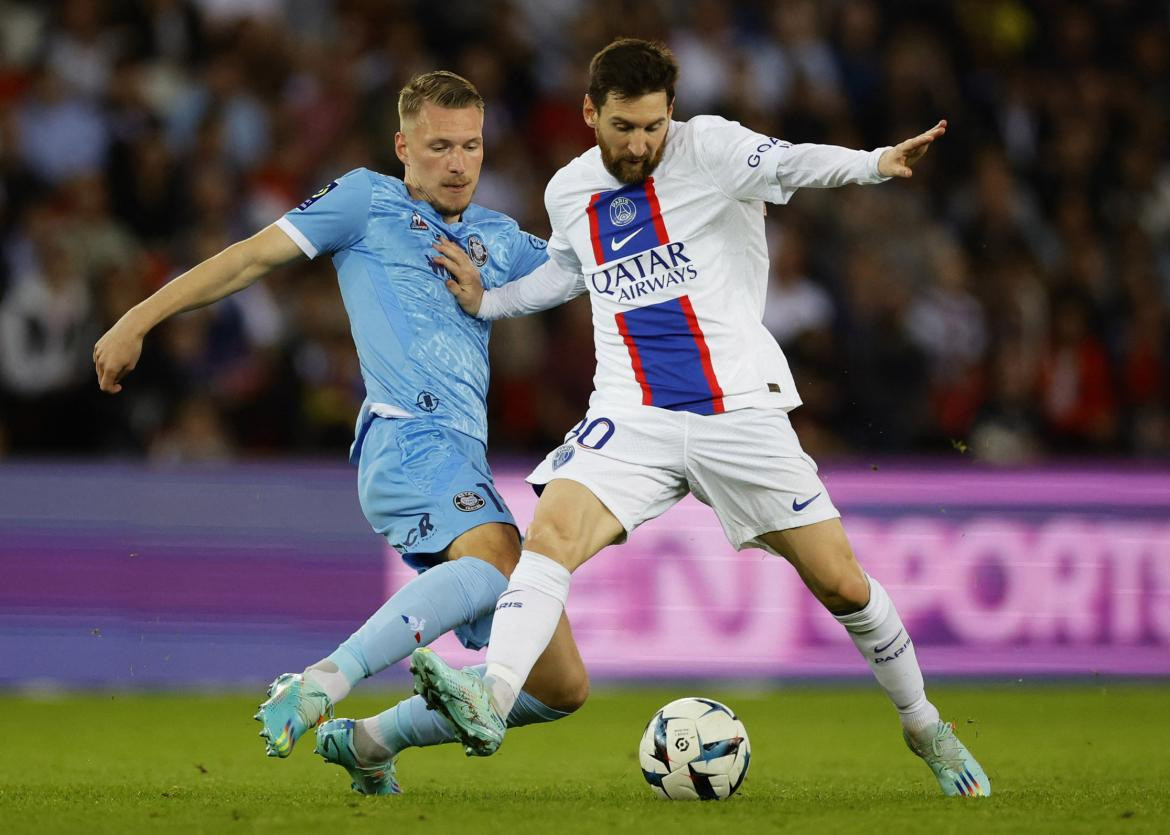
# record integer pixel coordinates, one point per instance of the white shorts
(747, 465)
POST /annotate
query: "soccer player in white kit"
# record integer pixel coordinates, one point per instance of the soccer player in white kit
(662, 223)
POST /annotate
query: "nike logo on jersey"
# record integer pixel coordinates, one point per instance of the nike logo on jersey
(618, 243)
(799, 506)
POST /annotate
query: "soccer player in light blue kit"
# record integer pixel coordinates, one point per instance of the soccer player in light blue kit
(420, 445)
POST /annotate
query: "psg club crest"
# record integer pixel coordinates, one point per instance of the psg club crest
(477, 250)
(468, 500)
(562, 456)
(622, 211)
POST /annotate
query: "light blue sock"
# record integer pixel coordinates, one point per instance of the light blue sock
(436, 601)
(410, 724)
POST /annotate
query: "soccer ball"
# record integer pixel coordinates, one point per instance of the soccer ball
(695, 749)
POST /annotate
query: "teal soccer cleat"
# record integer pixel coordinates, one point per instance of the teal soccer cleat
(291, 710)
(462, 698)
(335, 745)
(959, 774)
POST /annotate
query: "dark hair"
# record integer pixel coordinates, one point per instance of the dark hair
(630, 68)
(443, 88)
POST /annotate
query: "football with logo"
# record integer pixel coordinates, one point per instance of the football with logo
(695, 749)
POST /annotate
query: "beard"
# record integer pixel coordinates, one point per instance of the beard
(446, 209)
(626, 169)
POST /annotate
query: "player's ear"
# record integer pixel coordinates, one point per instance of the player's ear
(590, 112)
(400, 147)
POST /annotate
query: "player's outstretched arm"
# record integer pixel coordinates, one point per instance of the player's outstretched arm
(898, 160)
(233, 269)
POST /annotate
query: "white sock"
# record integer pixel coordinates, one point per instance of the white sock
(526, 618)
(880, 637)
(367, 742)
(328, 678)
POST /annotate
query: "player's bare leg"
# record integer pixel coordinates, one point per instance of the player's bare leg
(823, 558)
(570, 525)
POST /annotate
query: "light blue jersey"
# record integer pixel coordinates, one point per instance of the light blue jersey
(420, 354)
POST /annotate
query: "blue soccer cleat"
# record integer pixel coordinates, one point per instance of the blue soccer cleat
(291, 709)
(958, 773)
(461, 697)
(335, 745)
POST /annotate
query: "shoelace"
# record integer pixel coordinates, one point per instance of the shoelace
(946, 750)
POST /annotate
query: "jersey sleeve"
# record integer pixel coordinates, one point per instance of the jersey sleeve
(528, 253)
(547, 286)
(559, 248)
(750, 166)
(333, 218)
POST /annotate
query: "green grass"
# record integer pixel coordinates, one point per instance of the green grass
(1062, 759)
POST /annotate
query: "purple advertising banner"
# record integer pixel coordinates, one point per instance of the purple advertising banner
(121, 576)
(992, 574)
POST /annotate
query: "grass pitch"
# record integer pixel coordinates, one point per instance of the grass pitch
(1062, 758)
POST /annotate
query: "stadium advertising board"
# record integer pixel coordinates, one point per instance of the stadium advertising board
(123, 576)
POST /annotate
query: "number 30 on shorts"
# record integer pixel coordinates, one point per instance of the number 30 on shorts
(593, 436)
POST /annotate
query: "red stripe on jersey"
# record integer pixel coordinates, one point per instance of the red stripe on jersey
(636, 361)
(594, 228)
(704, 354)
(656, 211)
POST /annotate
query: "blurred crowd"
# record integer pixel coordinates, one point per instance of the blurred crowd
(1009, 302)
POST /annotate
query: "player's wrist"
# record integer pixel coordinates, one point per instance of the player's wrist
(138, 321)
(486, 306)
(474, 303)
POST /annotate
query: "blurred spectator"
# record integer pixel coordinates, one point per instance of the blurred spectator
(98, 242)
(1145, 372)
(164, 31)
(43, 323)
(1079, 403)
(60, 134)
(222, 110)
(946, 322)
(888, 372)
(194, 435)
(46, 334)
(795, 304)
(1007, 429)
(81, 48)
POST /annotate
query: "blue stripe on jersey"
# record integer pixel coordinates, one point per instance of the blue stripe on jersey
(668, 358)
(626, 221)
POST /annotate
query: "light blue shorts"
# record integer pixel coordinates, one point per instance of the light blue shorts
(421, 486)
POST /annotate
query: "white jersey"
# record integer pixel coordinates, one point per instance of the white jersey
(677, 266)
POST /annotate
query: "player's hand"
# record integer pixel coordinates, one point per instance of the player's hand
(896, 161)
(116, 354)
(465, 284)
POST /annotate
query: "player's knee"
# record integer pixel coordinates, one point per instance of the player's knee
(572, 692)
(854, 589)
(552, 537)
(847, 591)
(496, 544)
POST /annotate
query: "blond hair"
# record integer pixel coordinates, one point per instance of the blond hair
(442, 88)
